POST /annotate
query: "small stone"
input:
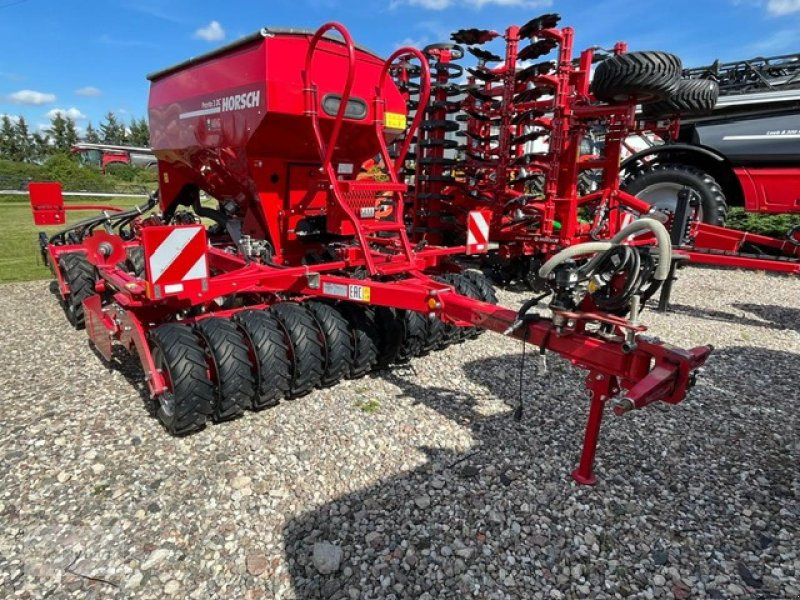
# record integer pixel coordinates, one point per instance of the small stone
(153, 507)
(446, 551)
(438, 483)
(241, 482)
(422, 502)
(98, 468)
(470, 471)
(374, 539)
(172, 587)
(134, 581)
(136, 440)
(156, 557)
(659, 580)
(590, 538)
(256, 564)
(326, 557)
(63, 477)
(660, 557)
(736, 590)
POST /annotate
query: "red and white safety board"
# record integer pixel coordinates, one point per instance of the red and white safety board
(174, 257)
(478, 231)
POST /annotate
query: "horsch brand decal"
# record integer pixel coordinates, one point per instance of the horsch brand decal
(234, 102)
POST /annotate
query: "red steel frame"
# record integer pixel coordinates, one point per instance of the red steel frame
(492, 182)
(569, 114)
(645, 372)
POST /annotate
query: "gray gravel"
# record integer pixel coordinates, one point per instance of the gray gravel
(410, 484)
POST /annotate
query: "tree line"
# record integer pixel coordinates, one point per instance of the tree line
(19, 144)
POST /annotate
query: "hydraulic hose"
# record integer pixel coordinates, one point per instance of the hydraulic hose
(92, 222)
(662, 237)
(572, 252)
(662, 241)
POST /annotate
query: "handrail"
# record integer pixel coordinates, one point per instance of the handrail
(351, 71)
(424, 97)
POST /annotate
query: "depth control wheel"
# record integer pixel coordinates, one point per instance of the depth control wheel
(233, 372)
(181, 360)
(79, 275)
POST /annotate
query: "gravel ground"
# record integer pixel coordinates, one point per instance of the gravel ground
(415, 483)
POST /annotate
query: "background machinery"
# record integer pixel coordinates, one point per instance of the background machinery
(304, 273)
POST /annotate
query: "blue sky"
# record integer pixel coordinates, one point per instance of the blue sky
(86, 57)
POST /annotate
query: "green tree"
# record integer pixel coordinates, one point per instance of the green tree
(41, 146)
(23, 141)
(58, 131)
(111, 130)
(8, 138)
(91, 136)
(139, 132)
(70, 133)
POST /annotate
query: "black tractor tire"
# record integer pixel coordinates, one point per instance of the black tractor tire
(135, 262)
(234, 373)
(79, 275)
(415, 331)
(467, 287)
(179, 355)
(645, 76)
(365, 338)
(692, 97)
(391, 333)
(270, 353)
(713, 204)
(464, 286)
(305, 346)
(483, 285)
(434, 336)
(338, 342)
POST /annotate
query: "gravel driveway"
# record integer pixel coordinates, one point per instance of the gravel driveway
(415, 483)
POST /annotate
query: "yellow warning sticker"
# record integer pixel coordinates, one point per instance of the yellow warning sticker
(394, 121)
(359, 293)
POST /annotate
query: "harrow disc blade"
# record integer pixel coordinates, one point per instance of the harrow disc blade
(537, 49)
(546, 21)
(473, 36)
(484, 55)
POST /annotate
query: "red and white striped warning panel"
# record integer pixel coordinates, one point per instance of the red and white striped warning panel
(478, 231)
(174, 257)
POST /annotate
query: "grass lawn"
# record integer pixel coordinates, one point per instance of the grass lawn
(19, 246)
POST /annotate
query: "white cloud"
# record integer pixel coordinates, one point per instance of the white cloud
(89, 90)
(213, 32)
(71, 113)
(31, 97)
(782, 7)
(477, 4)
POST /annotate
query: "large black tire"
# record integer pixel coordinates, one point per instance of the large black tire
(80, 277)
(179, 355)
(467, 287)
(415, 331)
(434, 336)
(338, 342)
(391, 332)
(692, 97)
(483, 285)
(305, 346)
(645, 76)
(365, 338)
(135, 262)
(234, 374)
(270, 353)
(660, 183)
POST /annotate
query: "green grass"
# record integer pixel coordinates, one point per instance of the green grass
(19, 247)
